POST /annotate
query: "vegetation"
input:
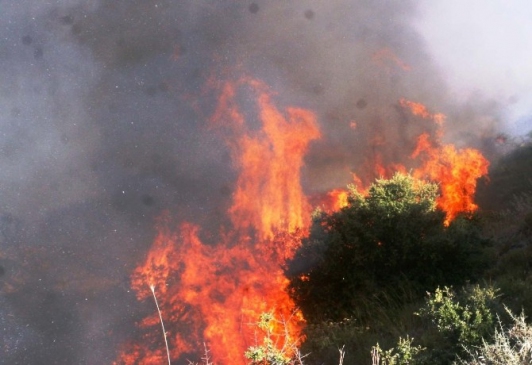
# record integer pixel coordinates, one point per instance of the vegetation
(385, 270)
(458, 321)
(510, 346)
(509, 177)
(403, 354)
(269, 352)
(388, 247)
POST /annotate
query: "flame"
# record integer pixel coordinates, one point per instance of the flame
(456, 170)
(387, 58)
(266, 197)
(212, 293)
(421, 110)
(338, 199)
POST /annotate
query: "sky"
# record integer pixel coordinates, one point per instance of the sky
(484, 47)
(106, 122)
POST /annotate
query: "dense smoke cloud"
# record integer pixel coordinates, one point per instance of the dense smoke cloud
(105, 124)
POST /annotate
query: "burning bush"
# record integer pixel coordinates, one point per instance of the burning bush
(392, 238)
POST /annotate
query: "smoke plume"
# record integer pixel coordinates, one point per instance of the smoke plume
(106, 123)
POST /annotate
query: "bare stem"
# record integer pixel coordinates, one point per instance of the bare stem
(342, 354)
(152, 287)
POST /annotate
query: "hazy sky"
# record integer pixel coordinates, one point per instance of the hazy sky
(484, 46)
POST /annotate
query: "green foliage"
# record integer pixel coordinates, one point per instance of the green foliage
(380, 243)
(271, 352)
(512, 234)
(385, 326)
(464, 320)
(266, 354)
(513, 275)
(513, 346)
(461, 320)
(403, 354)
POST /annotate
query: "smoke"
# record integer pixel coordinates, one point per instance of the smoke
(105, 124)
(479, 56)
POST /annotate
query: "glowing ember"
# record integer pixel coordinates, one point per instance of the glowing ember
(213, 293)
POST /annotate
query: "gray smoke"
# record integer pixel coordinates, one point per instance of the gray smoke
(105, 124)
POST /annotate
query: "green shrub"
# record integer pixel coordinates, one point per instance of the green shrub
(276, 348)
(461, 320)
(403, 354)
(512, 346)
(391, 239)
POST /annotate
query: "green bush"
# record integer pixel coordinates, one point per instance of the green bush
(512, 346)
(368, 252)
(403, 354)
(460, 320)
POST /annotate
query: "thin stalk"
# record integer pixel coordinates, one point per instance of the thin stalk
(152, 287)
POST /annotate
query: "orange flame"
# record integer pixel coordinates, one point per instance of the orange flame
(266, 197)
(386, 58)
(421, 110)
(336, 200)
(211, 293)
(455, 170)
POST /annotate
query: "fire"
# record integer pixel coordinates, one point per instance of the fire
(456, 170)
(213, 293)
(338, 199)
(387, 58)
(421, 110)
(269, 197)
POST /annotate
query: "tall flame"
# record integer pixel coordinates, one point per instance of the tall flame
(211, 293)
(268, 196)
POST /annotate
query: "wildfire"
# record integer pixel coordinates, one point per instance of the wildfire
(269, 197)
(338, 199)
(212, 293)
(456, 170)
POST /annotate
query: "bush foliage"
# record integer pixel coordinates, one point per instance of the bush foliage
(390, 239)
(511, 346)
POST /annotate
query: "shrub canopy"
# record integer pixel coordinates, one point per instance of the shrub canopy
(389, 243)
